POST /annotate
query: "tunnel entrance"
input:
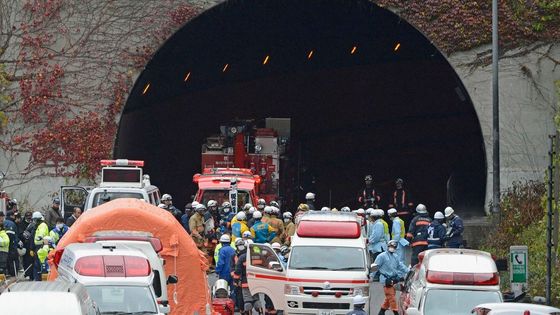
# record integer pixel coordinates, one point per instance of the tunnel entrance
(367, 94)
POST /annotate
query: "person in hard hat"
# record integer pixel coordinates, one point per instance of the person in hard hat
(391, 271)
(345, 209)
(41, 232)
(225, 257)
(247, 236)
(196, 225)
(454, 235)
(261, 203)
(401, 199)
(376, 236)
(227, 216)
(301, 210)
(418, 232)
(385, 226)
(277, 224)
(359, 304)
(362, 214)
(368, 197)
(186, 217)
(250, 219)
(325, 209)
(289, 228)
(436, 231)
(263, 232)
(167, 204)
(52, 213)
(310, 201)
(398, 233)
(267, 214)
(247, 209)
(4, 248)
(43, 251)
(239, 226)
(239, 275)
(12, 230)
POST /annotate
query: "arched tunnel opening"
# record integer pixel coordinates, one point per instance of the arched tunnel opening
(366, 92)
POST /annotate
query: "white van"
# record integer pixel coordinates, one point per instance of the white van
(450, 281)
(119, 179)
(47, 298)
(149, 246)
(327, 267)
(117, 277)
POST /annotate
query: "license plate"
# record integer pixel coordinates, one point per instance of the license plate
(326, 312)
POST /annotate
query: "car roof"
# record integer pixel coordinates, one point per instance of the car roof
(459, 260)
(517, 307)
(329, 216)
(43, 302)
(50, 286)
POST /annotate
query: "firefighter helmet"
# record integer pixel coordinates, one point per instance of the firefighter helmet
(257, 215)
(287, 215)
(438, 216)
(448, 212)
(368, 178)
(310, 196)
(252, 210)
(392, 212)
(166, 197)
(325, 209)
(247, 206)
(274, 204)
(268, 209)
(241, 216)
(345, 209)
(212, 203)
(421, 208)
(37, 215)
(225, 238)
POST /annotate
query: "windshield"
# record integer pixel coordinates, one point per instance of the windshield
(106, 196)
(220, 196)
(112, 299)
(457, 302)
(327, 258)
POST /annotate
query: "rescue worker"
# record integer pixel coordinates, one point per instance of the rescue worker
(211, 220)
(239, 226)
(239, 274)
(436, 231)
(310, 201)
(43, 252)
(186, 217)
(76, 213)
(26, 236)
(11, 229)
(398, 233)
(225, 257)
(261, 203)
(359, 304)
(4, 248)
(289, 228)
(392, 271)
(59, 230)
(53, 213)
(400, 196)
(227, 215)
(418, 233)
(196, 225)
(263, 232)
(167, 204)
(368, 197)
(41, 232)
(385, 225)
(267, 214)
(247, 209)
(250, 220)
(362, 214)
(277, 224)
(376, 236)
(247, 236)
(454, 235)
(301, 210)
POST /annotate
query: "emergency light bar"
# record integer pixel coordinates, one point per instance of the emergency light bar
(329, 229)
(462, 278)
(122, 162)
(113, 266)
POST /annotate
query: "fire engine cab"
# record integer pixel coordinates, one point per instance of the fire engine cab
(119, 179)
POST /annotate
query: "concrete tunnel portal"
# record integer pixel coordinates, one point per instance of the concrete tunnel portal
(367, 93)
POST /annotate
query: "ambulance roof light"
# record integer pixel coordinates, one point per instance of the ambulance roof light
(122, 162)
(463, 278)
(113, 266)
(329, 229)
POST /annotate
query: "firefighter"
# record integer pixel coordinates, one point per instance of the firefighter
(250, 219)
(167, 202)
(392, 271)
(310, 201)
(263, 232)
(436, 231)
(301, 210)
(418, 233)
(196, 226)
(398, 233)
(400, 196)
(239, 226)
(239, 275)
(289, 228)
(41, 231)
(368, 197)
(277, 225)
(261, 203)
(267, 214)
(454, 235)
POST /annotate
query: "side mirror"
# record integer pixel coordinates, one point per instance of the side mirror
(413, 311)
(172, 279)
(163, 309)
(374, 268)
(275, 266)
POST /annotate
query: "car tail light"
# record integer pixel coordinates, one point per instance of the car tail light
(463, 278)
(57, 256)
(329, 229)
(122, 162)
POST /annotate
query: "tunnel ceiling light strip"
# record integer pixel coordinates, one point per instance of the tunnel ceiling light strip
(397, 46)
(187, 76)
(353, 51)
(225, 67)
(146, 88)
(310, 54)
(265, 61)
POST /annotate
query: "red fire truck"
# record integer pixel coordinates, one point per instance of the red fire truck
(243, 163)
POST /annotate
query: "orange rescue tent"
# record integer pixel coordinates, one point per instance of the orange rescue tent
(182, 257)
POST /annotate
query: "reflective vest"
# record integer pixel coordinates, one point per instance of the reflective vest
(4, 241)
(41, 232)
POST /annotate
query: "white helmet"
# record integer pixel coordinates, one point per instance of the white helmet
(276, 245)
(275, 210)
(439, 216)
(287, 215)
(252, 210)
(37, 215)
(360, 211)
(358, 300)
(392, 211)
(345, 209)
(257, 215)
(369, 211)
(325, 209)
(247, 234)
(381, 212)
(212, 203)
(310, 196)
(194, 204)
(225, 239)
(247, 206)
(241, 216)
(166, 197)
(261, 202)
(448, 212)
(162, 206)
(268, 209)
(421, 208)
(226, 204)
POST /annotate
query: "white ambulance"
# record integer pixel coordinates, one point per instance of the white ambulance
(450, 281)
(119, 179)
(117, 277)
(327, 266)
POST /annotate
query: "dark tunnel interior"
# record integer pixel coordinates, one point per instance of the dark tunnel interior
(367, 94)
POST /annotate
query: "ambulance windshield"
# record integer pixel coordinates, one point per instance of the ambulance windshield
(106, 196)
(119, 299)
(222, 195)
(327, 258)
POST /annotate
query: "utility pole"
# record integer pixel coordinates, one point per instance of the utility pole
(549, 244)
(495, 113)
